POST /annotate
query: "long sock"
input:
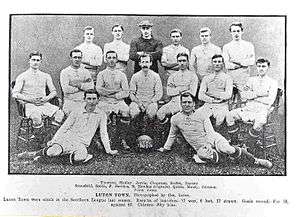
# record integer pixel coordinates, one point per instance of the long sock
(124, 127)
(42, 152)
(248, 156)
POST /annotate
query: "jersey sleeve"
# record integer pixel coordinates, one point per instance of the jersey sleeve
(172, 134)
(64, 82)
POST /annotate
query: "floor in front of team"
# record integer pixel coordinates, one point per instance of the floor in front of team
(177, 162)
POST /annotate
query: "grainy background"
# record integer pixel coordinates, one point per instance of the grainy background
(56, 35)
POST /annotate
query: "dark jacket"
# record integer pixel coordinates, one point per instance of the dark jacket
(151, 46)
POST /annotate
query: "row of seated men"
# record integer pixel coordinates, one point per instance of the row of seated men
(85, 110)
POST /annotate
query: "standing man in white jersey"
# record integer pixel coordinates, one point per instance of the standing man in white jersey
(92, 54)
(74, 80)
(201, 55)
(215, 91)
(112, 85)
(260, 93)
(30, 89)
(120, 47)
(75, 135)
(170, 52)
(238, 55)
(198, 132)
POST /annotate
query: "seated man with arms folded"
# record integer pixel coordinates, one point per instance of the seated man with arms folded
(74, 81)
(112, 85)
(180, 81)
(260, 93)
(30, 88)
(215, 91)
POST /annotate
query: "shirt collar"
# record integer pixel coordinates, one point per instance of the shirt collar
(32, 71)
(112, 71)
(176, 47)
(84, 111)
(147, 39)
(193, 112)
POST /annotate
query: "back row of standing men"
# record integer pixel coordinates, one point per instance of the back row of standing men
(238, 54)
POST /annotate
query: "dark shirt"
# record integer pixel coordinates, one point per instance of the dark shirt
(151, 46)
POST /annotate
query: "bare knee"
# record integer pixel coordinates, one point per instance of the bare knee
(59, 115)
(36, 118)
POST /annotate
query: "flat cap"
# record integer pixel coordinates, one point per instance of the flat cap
(145, 23)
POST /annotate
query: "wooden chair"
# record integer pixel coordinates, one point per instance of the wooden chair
(25, 129)
(267, 139)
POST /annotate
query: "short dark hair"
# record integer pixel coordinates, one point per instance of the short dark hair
(35, 53)
(176, 30)
(239, 24)
(146, 55)
(111, 51)
(183, 55)
(88, 28)
(91, 91)
(117, 25)
(187, 94)
(263, 60)
(75, 51)
(217, 56)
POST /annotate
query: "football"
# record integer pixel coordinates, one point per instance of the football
(145, 142)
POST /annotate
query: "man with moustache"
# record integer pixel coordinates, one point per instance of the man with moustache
(74, 80)
(201, 55)
(215, 91)
(120, 47)
(30, 89)
(91, 53)
(145, 44)
(196, 129)
(145, 89)
(75, 135)
(260, 93)
(112, 85)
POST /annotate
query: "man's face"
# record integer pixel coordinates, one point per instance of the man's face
(236, 33)
(117, 32)
(218, 64)
(176, 38)
(91, 99)
(262, 68)
(205, 37)
(76, 59)
(182, 62)
(187, 104)
(145, 63)
(146, 31)
(88, 35)
(35, 62)
(111, 59)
